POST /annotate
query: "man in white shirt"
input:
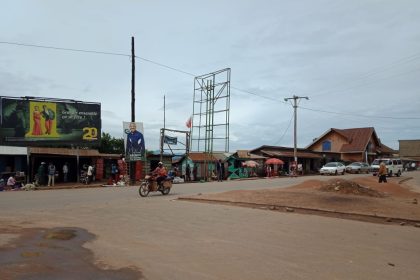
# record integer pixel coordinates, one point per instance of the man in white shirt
(90, 174)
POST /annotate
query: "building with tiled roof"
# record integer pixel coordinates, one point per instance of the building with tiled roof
(354, 144)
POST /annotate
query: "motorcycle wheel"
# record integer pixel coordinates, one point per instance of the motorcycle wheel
(165, 191)
(144, 189)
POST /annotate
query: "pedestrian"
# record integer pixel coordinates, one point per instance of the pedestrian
(268, 170)
(65, 172)
(90, 174)
(114, 172)
(51, 174)
(382, 173)
(40, 175)
(195, 172)
(219, 169)
(188, 173)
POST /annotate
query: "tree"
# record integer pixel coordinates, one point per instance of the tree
(111, 145)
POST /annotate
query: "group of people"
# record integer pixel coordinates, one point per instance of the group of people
(188, 172)
(46, 175)
(11, 183)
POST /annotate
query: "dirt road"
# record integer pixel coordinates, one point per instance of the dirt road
(165, 238)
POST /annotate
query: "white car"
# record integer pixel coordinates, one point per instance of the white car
(333, 168)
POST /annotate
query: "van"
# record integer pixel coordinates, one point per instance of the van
(393, 166)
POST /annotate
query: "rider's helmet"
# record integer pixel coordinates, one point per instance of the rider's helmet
(160, 163)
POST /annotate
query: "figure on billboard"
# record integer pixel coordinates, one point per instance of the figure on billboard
(135, 140)
(37, 121)
(49, 116)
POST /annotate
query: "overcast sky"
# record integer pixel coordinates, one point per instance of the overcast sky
(357, 61)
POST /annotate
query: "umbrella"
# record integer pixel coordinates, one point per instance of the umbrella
(250, 163)
(274, 161)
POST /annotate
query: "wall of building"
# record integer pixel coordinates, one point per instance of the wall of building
(409, 148)
(337, 141)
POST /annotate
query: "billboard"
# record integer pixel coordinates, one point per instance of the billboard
(43, 121)
(134, 141)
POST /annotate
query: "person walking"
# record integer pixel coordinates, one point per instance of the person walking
(219, 169)
(65, 172)
(382, 173)
(187, 173)
(51, 174)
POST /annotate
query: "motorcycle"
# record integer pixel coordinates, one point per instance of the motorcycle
(150, 184)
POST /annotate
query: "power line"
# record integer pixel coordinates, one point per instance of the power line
(284, 133)
(362, 116)
(63, 49)
(372, 72)
(403, 60)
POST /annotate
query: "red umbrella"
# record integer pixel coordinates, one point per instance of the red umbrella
(274, 161)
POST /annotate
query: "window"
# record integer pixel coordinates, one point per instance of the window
(326, 145)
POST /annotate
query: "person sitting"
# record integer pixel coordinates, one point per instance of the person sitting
(11, 182)
(160, 172)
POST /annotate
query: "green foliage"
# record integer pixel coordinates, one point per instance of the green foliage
(111, 145)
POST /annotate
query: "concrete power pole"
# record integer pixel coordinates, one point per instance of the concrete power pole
(295, 99)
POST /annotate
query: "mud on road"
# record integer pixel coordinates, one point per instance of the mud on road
(58, 253)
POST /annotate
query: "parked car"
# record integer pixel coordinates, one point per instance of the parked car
(333, 168)
(358, 167)
(393, 166)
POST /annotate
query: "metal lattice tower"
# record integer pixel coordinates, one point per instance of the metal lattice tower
(211, 108)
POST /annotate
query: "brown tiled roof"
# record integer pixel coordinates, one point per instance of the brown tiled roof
(385, 149)
(357, 138)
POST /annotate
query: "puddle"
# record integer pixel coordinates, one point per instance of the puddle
(44, 254)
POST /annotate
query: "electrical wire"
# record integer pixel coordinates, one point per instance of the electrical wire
(409, 58)
(362, 116)
(284, 133)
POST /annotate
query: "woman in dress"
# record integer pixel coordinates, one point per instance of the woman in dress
(37, 121)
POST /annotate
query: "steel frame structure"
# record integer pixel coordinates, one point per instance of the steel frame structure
(186, 145)
(211, 109)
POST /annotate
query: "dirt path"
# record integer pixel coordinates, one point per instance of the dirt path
(360, 199)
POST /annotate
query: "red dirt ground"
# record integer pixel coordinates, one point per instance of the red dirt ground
(362, 197)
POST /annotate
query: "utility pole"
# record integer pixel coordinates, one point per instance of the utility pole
(133, 102)
(162, 136)
(295, 99)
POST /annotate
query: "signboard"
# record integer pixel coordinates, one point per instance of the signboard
(134, 141)
(43, 121)
(170, 140)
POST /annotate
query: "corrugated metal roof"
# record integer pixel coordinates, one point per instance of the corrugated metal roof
(299, 154)
(197, 156)
(245, 154)
(12, 150)
(291, 154)
(64, 152)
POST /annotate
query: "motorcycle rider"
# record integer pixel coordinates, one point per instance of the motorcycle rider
(160, 172)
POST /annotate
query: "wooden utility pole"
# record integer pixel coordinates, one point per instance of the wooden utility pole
(295, 99)
(133, 103)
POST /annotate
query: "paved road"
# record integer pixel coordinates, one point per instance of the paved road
(170, 239)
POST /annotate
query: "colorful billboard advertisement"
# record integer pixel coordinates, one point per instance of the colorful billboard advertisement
(134, 141)
(43, 121)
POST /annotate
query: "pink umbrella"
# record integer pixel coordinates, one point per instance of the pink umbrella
(274, 161)
(250, 163)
